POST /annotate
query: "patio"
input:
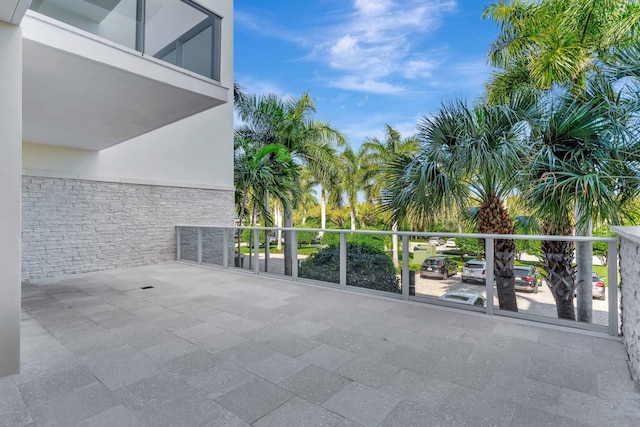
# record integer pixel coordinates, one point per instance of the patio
(213, 347)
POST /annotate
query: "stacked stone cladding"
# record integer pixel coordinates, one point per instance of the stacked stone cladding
(630, 301)
(74, 226)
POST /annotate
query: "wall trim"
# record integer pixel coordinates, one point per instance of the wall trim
(40, 173)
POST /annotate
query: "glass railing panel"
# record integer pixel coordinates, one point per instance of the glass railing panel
(189, 244)
(182, 35)
(213, 245)
(438, 271)
(243, 249)
(319, 259)
(114, 20)
(370, 264)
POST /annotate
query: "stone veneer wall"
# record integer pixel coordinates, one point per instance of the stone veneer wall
(73, 226)
(630, 294)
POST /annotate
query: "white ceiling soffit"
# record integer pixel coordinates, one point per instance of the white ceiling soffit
(73, 101)
(12, 11)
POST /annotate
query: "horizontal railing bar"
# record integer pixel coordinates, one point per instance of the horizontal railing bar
(420, 233)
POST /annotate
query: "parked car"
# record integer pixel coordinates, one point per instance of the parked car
(468, 298)
(474, 270)
(451, 243)
(525, 279)
(598, 291)
(438, 241)
(439, 267)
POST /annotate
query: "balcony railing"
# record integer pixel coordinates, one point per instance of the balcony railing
(245, 249)
(179, 32)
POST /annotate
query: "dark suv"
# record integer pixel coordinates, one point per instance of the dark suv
(438, 267)
(525, 279)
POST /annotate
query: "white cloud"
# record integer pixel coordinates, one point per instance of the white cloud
(367, 85)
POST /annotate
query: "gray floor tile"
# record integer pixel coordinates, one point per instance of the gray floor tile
(276, 367)
(462, 373)
(254, 399)
(186, 410)
(315, 384)
(328, 357)
(526, 416)
(472, 407)
(125, 371)
(425, 390)
(74, 407)
(367, 371)
(292, 345)
(415, 360)
(116, 416)
(298, 412)
(169, 350)
(362, 404)
(152, 391)
(50, 387)
(564, 375)
(13, 411)
(408, 414)
(220, 379)
(192, 363)
(245, 353)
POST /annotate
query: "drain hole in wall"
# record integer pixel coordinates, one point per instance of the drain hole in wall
(147, 287)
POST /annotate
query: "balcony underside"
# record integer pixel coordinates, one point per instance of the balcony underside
(83, 92)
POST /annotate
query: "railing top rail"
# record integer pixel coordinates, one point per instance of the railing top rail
(416, 233)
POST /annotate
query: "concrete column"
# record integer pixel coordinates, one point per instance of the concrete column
(10, 195)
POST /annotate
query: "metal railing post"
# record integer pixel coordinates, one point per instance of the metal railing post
(256, 251)
(612, 272)
(178, 244)
(489, 274)
(343, 260)
(294, 255)
(225, 248)
(267, 249)
(406, 279)
(199, 250)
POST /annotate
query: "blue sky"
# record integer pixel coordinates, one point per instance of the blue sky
(366, 63)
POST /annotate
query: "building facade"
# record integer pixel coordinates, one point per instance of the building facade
(118, 125)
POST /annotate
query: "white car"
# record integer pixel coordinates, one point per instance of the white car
(474, 270)
(451, 243)
(436, 241)
(467, 298)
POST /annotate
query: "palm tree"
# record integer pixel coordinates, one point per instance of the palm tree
(586, 168)
(290, 123)
(351, 174)
(309, 197)
(258, 171)
(465, 153)
(544, 45)
(377, 156)
(556, 42)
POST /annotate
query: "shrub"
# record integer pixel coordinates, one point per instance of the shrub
(376, 241)
(367, 267)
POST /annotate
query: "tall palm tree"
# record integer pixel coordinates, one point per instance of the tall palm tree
(465, 153)
(377, 157)
(290, 123)
(309, 195)
(351, 174)
(262, 170)
(544, 45)
(556, 42)
(586, 168)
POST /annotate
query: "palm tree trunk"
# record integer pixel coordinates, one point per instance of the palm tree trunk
(323, 211)
(353, 217)
(394, 244)
(304, 214)
(279, 225)
(288, 251)
(557, 259)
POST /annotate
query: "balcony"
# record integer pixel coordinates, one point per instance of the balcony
(215, 246)
(95, 76)
(178, 344)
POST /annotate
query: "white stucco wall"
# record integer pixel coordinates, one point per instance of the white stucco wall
(194, 152)
(10, 194)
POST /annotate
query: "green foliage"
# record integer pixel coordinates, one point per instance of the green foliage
(601, 249)
(531, 247)
(367, 267)
(306, 237)
(468, 245)
(375, 241)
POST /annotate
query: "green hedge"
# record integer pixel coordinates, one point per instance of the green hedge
(376, 241)
(367, 267)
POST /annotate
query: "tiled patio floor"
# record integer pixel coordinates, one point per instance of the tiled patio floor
(207, 347)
